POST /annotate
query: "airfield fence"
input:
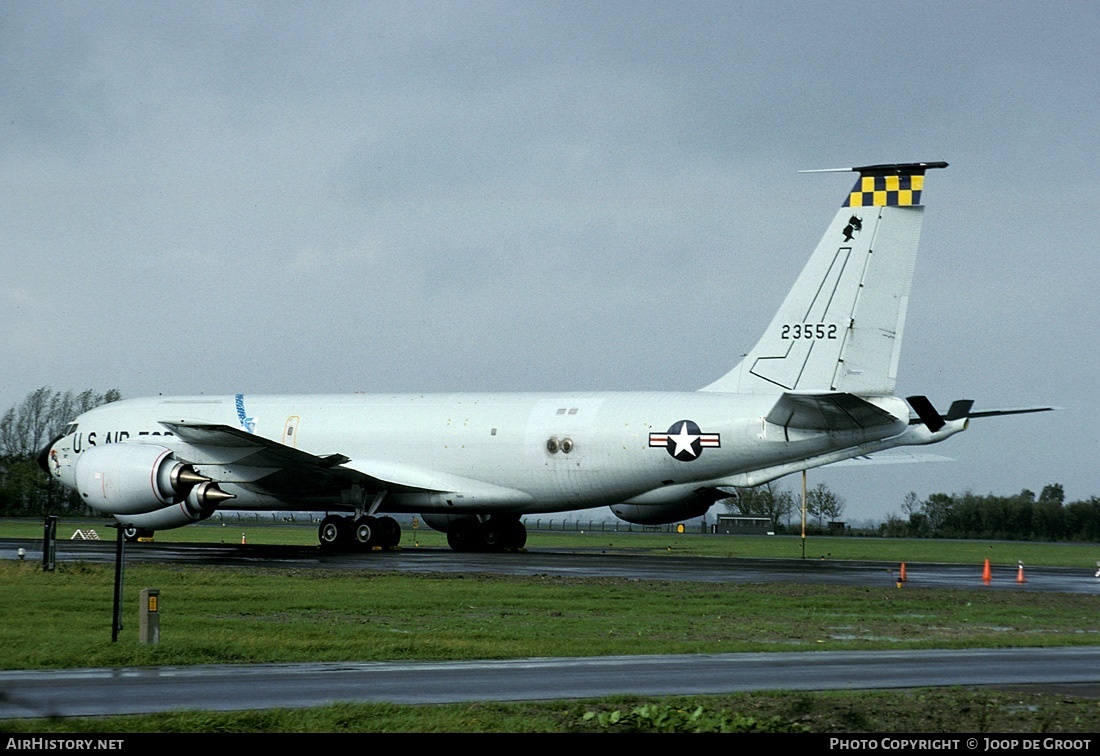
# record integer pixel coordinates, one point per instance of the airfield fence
(557, 524)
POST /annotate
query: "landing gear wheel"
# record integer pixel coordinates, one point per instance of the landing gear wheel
(517, 536)
(334, 533)
(366, 533)
(503, 535)
(493, 535)
(389, 531)
(461, 535)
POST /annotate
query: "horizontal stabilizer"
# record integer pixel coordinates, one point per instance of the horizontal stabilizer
(892, 457)
(960, 410)
(926, 412)
(1015, 411)
(834, 411)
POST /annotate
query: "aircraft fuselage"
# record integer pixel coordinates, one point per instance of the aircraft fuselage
(516, 453)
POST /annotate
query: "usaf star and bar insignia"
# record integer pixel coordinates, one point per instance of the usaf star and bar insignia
(684, 441)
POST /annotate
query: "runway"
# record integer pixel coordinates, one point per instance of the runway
(43, 693)
(100, 692)
(620, 563)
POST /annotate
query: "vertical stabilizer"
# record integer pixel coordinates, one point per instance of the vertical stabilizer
(840, 327)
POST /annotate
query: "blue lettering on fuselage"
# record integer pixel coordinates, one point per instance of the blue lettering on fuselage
(248, 423)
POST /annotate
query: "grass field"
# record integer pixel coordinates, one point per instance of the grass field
(949, 710)
(224, 614)
(218, 615)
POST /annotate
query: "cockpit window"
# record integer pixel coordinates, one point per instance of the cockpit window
(71, 429)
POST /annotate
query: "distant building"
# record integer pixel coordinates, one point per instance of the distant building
(730, 524)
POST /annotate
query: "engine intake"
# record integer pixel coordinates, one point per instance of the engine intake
(130, 478)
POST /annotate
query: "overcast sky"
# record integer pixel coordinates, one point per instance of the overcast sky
(311, 197)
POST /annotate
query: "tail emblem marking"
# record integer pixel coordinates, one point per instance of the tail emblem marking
(855, 225)
(886, 191)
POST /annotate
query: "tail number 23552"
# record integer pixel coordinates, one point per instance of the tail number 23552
(808, 331)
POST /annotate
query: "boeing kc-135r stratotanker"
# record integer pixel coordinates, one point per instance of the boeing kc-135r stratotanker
(817, 389)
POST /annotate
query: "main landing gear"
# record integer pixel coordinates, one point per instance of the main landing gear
(346, 533)
(364, 533)
(493, 534)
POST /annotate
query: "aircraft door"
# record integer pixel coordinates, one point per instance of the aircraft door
(290, 431)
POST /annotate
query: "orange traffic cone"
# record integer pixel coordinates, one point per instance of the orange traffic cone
(901, 575)
(1020, 574)
(987, 574)
(243, 540)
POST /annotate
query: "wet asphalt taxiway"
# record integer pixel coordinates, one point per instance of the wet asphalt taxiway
(42, 693)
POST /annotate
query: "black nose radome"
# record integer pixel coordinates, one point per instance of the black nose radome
(44, 455)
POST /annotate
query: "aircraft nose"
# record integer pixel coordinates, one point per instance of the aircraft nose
(44, 455)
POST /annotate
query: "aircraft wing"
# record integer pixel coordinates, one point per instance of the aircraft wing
(233, 455)
(827, 411)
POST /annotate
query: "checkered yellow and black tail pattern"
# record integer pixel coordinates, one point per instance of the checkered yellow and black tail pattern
(889, 185)
(886, 191)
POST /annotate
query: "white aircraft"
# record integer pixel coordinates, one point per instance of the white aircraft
(817, 389)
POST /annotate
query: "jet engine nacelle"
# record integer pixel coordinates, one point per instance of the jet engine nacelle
(441, 522)
(133, 478)
(201, 502)
(666, 512)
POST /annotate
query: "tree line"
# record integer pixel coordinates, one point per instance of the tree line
(1022, 517)
(24, 430)
(781, 507)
